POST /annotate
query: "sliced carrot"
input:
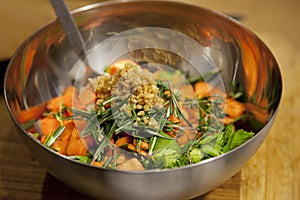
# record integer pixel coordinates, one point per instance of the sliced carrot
(140, 151)
(111, 141)
(76, 145)
(131, 147)
(167, 93)
(98, 164)
(68, 96)
(174, 119)
(43, 139)
(234, 108)
(48, 124)
(66, 99)
(123, 141)
(60, 146)
(35, 112)
(143, 145)
(202, 89)
(66, 135)
(171, 134)
(53, 105)
(76, 103)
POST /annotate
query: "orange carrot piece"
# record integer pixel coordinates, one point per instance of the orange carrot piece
(66, 99)
(171, 134)
(49, 124)
(123, 141)
(234, 108)
(143, 145)
(167, 93)
(98, 164)
(66, 134)
(35, 112)
(131, 147)
(43, 139)
(76, 145)
(53, 104)
(68, 96)
(60, 146)
(174, 119)
(202, 89)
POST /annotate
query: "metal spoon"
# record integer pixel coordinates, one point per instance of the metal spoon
(70, 28)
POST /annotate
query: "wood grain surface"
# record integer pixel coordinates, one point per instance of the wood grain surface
(273, 173)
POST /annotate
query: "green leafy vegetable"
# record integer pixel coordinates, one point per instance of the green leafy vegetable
(166, 153)
(236, 139)
(216, 144)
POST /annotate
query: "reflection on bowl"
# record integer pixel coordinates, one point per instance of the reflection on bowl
(147, 32)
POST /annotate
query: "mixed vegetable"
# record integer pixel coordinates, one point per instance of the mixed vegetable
(132, 119)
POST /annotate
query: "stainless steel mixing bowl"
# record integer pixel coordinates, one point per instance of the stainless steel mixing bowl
(40, 69)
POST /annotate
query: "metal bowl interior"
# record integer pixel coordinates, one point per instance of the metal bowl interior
(44, 65)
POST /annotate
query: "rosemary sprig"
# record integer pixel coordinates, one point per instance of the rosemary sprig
(104, 143)
(52, 137)
(153, 141)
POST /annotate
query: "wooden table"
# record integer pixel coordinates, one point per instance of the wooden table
(272, 174)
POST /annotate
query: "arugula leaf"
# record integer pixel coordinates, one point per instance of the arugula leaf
(196, 155)
(211, 150)
(236, 139)
(166, 152)
(84, 159)
(216, 144)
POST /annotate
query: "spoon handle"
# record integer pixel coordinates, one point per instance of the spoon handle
(70, 28)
